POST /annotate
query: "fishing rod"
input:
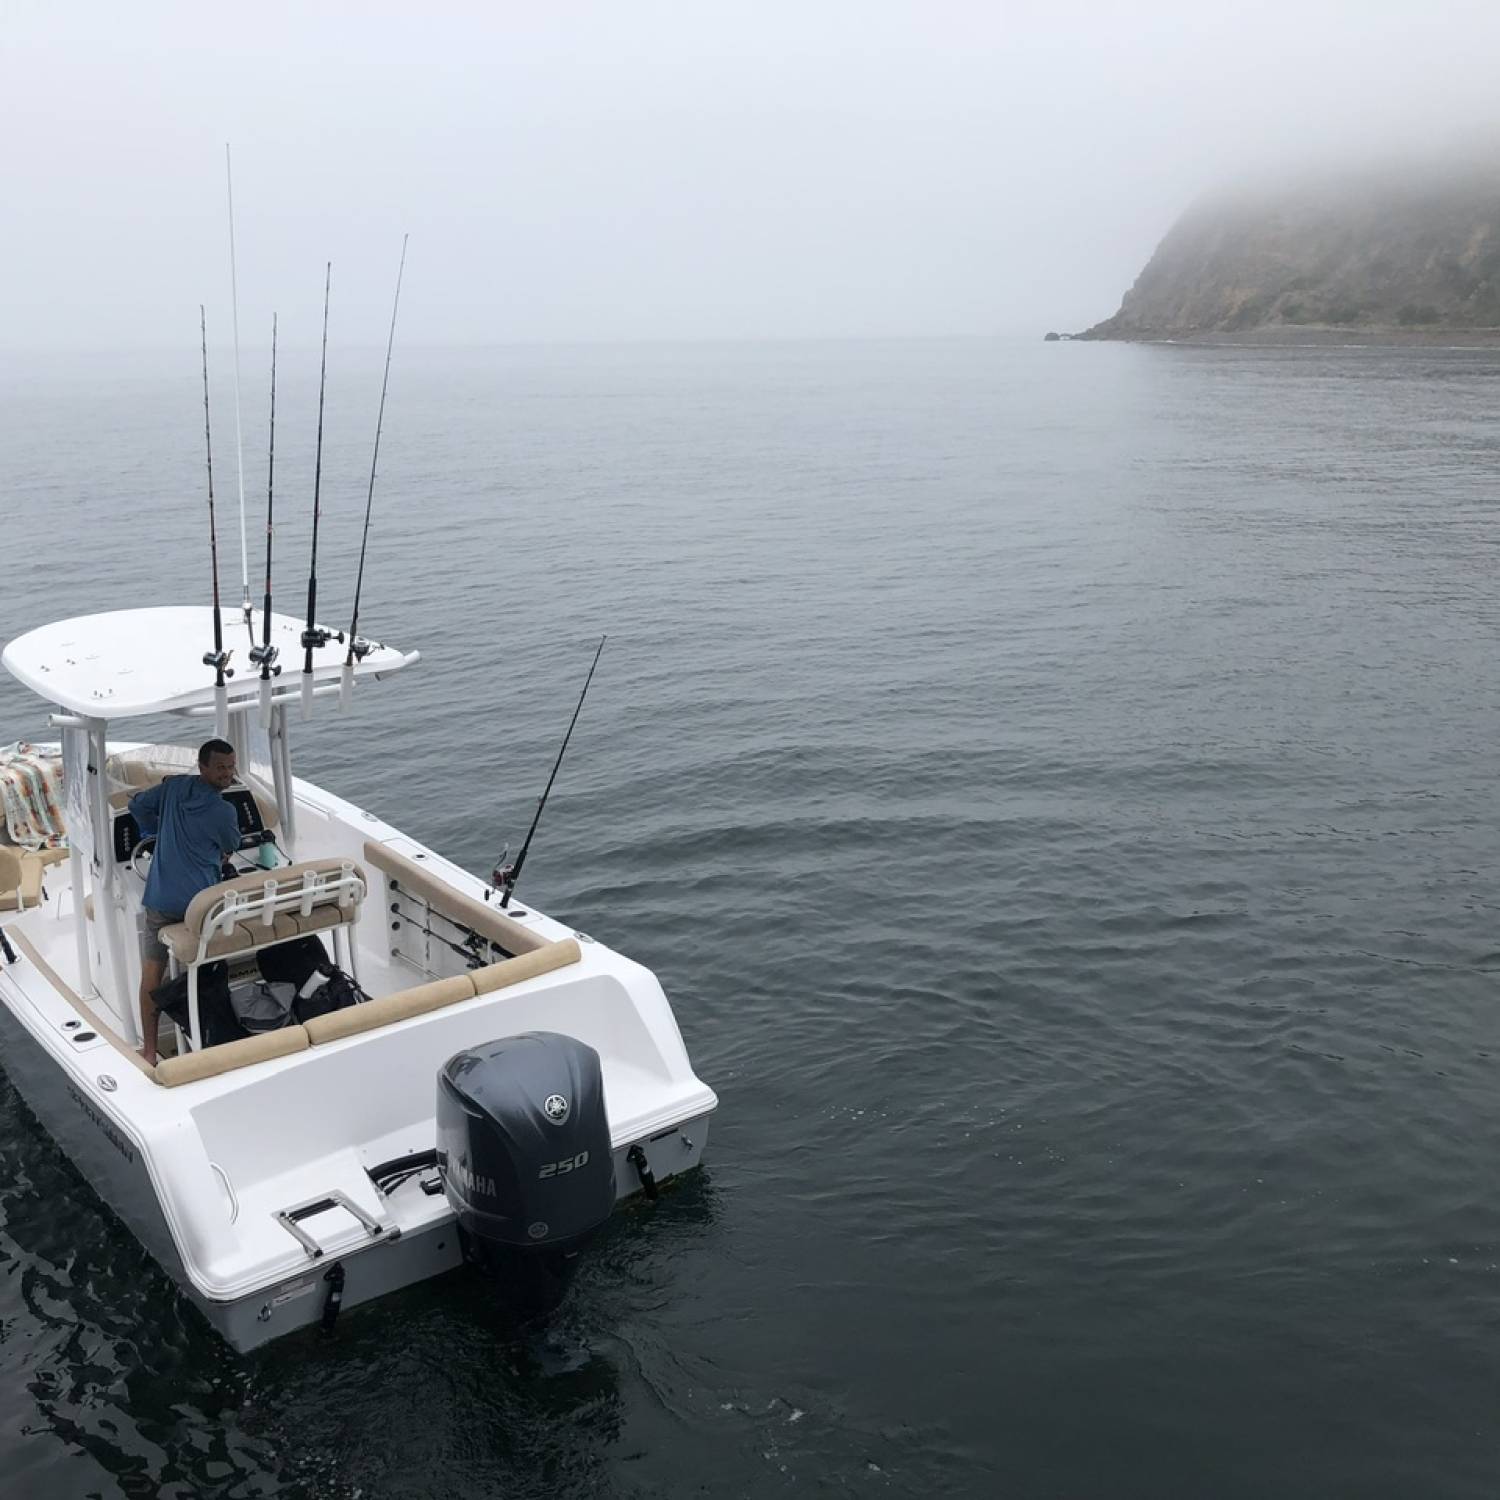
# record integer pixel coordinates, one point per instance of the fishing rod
(264, 655)
(218, 658)
(466, 949)
(239, 441)
(359, 649)
(505, 878)
(314, 635)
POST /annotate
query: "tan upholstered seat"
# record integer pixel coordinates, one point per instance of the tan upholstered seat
(264, 908)
(288, 919)
(20, 878)
(241, 938)
(415, 879)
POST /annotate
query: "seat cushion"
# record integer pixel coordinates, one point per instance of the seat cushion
(23, 870)
(240, 938)
(252, 884)
(319, 919)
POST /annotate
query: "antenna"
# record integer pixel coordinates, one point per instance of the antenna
(359, 649)
(314, 636)
(264, 655)
(218, 658)
(506, 878)
(239, 442)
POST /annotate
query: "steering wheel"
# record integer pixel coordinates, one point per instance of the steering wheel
(146, 846)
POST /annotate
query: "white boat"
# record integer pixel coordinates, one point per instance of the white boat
(276, 1178)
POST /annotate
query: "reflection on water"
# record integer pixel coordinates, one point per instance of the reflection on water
(122, 1370)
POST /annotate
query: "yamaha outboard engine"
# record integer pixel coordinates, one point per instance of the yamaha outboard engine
(524, 1150)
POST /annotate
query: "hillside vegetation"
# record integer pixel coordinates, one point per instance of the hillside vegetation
(1376, 251)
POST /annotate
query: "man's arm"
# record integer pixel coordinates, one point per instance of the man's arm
(227, 827)
(145, 808)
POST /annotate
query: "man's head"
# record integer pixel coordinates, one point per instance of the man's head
(216, 763)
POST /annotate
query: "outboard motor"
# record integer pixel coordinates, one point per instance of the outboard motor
(523, 1147)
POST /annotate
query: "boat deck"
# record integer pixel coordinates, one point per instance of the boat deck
(228, 1154)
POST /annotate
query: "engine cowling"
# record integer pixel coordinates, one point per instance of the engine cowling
(523, 1143)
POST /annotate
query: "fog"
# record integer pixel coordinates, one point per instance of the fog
(670, 171)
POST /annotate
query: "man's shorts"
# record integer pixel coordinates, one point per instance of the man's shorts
(153, 950)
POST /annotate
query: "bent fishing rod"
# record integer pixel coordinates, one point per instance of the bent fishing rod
(359, 649)
(314, 636)
(264, 655)
(218, 658)
(505, 877)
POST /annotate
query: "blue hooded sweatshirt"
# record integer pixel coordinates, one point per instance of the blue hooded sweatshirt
(195, 828)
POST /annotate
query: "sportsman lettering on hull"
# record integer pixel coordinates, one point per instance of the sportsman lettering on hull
(112, 1135)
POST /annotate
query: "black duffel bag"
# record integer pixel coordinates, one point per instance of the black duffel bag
(215, 1010)
(337, 991)
(293, 963)
(300, 964)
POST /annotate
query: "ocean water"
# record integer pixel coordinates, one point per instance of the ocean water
(1055, 785)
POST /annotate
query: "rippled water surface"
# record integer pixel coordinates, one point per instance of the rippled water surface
(1055, 785)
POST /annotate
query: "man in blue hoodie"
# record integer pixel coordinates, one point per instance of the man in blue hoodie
(194, 828)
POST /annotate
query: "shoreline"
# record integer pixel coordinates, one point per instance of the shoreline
(1313, 336)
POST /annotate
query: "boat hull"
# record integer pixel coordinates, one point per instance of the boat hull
(115, 1167)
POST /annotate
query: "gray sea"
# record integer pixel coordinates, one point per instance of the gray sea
(1056, 787)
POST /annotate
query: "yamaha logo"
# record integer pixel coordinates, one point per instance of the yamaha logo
(556, 1108)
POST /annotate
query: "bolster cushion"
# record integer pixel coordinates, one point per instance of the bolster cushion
(526, 966)
(211, 1061)
(401, 1006)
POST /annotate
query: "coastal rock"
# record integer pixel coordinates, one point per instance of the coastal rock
(1409, 251)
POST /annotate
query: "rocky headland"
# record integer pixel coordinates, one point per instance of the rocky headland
(1408, 256)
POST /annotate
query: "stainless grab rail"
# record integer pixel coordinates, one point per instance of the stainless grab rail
(289, 1219)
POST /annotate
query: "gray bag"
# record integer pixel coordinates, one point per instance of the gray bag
(264, 1005)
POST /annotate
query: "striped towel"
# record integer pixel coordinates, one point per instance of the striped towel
(31, 796)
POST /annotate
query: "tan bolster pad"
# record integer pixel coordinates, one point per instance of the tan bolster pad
(398, 1007)
(211, 1061)
(526, 966)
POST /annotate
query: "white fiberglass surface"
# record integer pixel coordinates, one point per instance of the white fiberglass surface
(358, 1091)
(143, 661)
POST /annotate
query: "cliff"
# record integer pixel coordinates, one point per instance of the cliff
(1412, 252)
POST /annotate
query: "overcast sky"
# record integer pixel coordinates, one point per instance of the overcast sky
(689, 170)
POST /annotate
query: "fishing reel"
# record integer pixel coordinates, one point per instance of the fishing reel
(359, 647)
(316, 636)
(219, 661)
(264, 657)
(503, 873)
